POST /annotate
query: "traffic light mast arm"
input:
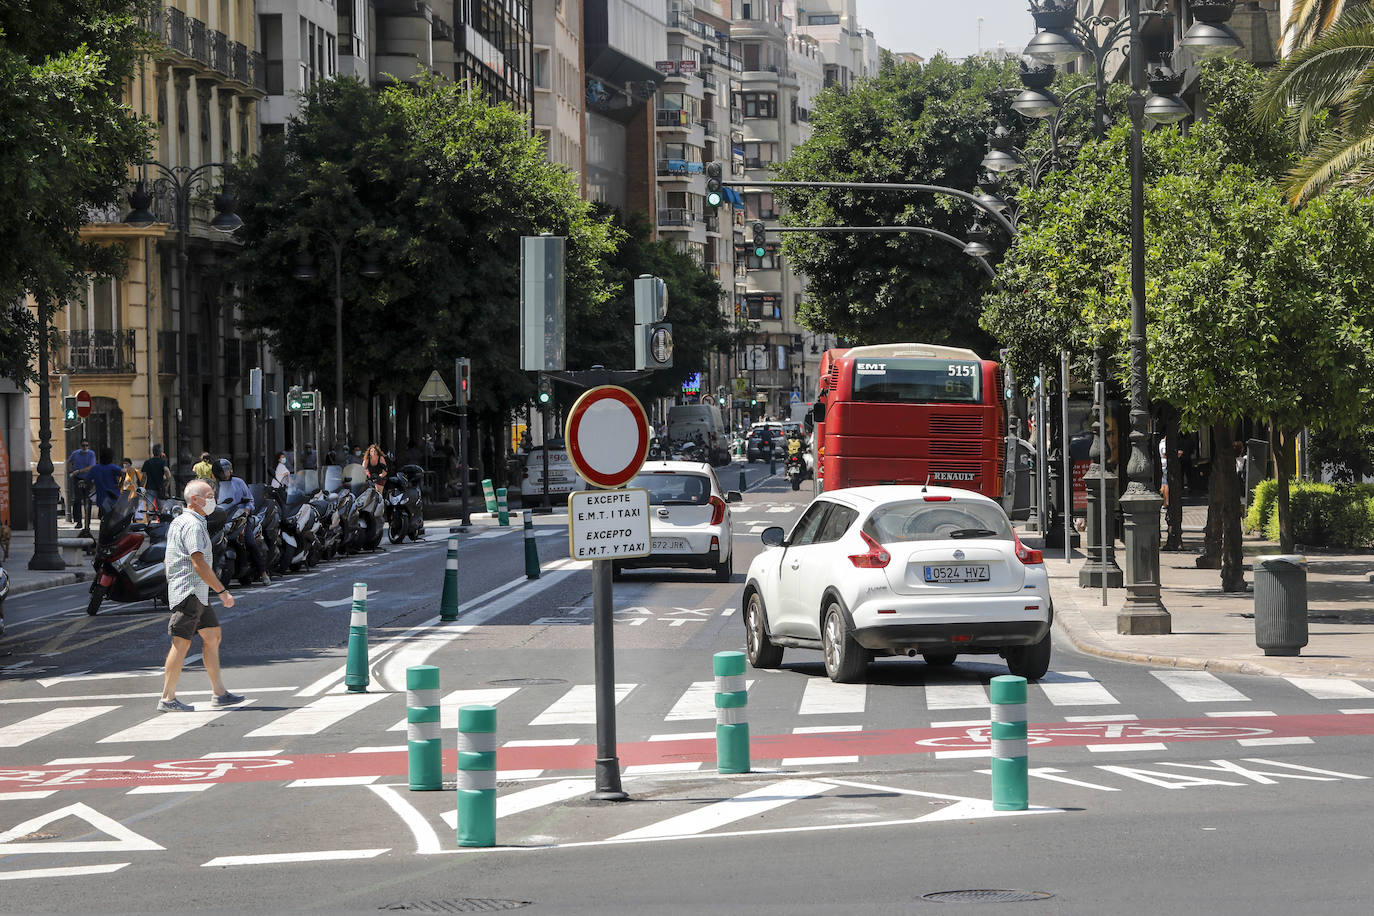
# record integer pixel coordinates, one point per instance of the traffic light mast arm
(998, 218)
(919, 230)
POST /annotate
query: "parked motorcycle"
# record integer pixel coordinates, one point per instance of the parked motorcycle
(405, 506)
(346, 508)
(129, 555)
(657, 450)
(299, 529)
(369, 512)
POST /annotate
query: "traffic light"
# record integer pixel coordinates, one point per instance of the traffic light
(464, 373)
(757, 232)
(545, 391)
(714, 195)
(69, 408)
(294, 400)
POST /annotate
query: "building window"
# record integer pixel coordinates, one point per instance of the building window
(757, 104)
(541, 69)
(823, 19)
(759, 155)
(759, 206)
(751, 52)
(270, 27)
(763, 306)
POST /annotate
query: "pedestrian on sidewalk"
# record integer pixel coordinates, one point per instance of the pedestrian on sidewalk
(203, 469)
(79, 464)
(155, 472)
(190, 580)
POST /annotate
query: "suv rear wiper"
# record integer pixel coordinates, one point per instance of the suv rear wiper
(973, 533)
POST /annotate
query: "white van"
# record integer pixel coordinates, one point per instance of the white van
(686, 420)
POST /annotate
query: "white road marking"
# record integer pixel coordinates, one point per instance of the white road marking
(1121, 717)
(542, 742)
(954, 755)
(388, 749)
(956, 696)
(1358, 712)
(649, 769)
(684, 736)
(1127, 746)
(755, 802)
(450, 704)
(234, 755)
(1075, 688)
(961, 723)
(823, 729)
(1199, 687)
(816, 761)
(319, 782)
(728, 611)
(317, 716)
(699, 702)
(26, 796)
(1239, 713)
(426, 839)
(65, 761)
(1322, 688)
(124, 838)
(1263, 742)
(331, 855)
(578, 706)
(166, 726)
(170, 789)
(71, 871)
(1048, 773)
(823, 696)
(130, 696)
(45, 723)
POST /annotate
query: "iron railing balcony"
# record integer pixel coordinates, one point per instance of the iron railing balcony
(200, 41)
(93, 352)
(672, 117)
(677, 216)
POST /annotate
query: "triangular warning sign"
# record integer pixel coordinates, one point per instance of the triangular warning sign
(125, 839)
(435, 389)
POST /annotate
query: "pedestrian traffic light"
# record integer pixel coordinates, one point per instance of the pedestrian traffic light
(757, 231)
(714, 195)
(464, 372)
(545, 391)
(69, 408)
(294, 400)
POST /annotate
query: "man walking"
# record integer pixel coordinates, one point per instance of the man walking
(155, 472)
(190, 580)
(79, 464)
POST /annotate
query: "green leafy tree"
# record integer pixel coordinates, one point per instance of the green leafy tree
(925, 124)
(66, 143)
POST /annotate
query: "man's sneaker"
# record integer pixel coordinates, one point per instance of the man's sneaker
(226, 699)
(266, 578)
(173, 705)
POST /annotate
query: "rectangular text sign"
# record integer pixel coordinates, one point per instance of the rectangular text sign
(607, 524)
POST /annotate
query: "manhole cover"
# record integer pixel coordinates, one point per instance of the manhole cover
(526, 682)
(986, 896)
(456, 905)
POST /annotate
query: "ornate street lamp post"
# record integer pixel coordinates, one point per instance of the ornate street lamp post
(45, 489)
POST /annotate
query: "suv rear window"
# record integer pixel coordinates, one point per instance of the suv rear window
(674, 489)
(918, 520)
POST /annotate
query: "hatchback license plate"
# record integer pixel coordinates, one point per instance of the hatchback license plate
(958, 573)
(669, 543)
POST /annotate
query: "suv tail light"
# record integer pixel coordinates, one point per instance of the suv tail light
(717, 510)
(1026, 555)
(876, 558)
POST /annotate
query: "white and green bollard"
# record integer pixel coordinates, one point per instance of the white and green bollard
(531, 549)
(502, 511)
(1010, 773)
(448, 604)
(477, 776)
(356, 677)
(489, 493)
(424, 743)
(732, 701)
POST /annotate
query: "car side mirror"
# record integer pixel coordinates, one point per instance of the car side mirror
(818, 412)
(734, 496)
(773, 537)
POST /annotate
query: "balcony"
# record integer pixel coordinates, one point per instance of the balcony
(708, 80)
(672, 117)
(95, 352)
(200, 40)
(678, 216)
(708, 125)
(737, 117)
(713, 225)
(679, 167)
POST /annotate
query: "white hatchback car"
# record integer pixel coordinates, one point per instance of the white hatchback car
(689, 525)
(899, 570)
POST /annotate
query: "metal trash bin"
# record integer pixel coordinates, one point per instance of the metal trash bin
(1281, 604)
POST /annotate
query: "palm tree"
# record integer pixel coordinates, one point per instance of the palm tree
(1326, 91)
(1310, 18)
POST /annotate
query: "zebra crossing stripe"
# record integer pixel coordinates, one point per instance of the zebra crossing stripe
(823, 696)
(578, 706)
(1199, 687)
(163, 727)
(1331, 688)
(315, 717)
(1075, 688)
(750, 804)
(45, 723)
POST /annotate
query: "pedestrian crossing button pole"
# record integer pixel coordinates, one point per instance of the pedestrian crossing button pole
(732, 726)
(477, 776)
(424, 743)
(502, 512)
(531, 549)
(448, 604)
(356, 677)
(1010, 772)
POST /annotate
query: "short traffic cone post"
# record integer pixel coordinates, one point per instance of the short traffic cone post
(448, 604)
(772, 463)
(742, 486)
(424, 742)
(356, 677)
(732, 700)
(477, 776)
(531, 550)
(1010, 776)
(489, 493)
(502, 511)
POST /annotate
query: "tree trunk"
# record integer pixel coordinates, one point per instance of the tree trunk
(1211, 538)
(1224, 485)
(1280, 446)
(1174, 478)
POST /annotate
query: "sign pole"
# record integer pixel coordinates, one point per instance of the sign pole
(603, 636)
(463, 472)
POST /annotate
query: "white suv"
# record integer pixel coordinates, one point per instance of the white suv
(689, 524)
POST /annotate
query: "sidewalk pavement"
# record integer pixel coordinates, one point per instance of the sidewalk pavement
(23, 579)
(1215, 631)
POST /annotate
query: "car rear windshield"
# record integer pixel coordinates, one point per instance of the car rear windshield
(673, 489)
(918, 520)
(918, 380)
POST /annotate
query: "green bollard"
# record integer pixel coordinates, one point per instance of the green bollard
(448, 604)
(356, 677)
(477, 776)
(531, 550)
(1010, 776)
(424, 742)
(502, 511)
(742, 486)
(489, 493)
(732, 700)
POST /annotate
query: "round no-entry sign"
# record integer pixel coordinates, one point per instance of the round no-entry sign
(607, 435)
(83, 403)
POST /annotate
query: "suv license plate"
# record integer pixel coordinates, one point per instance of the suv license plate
(669, 543)
(958, 573)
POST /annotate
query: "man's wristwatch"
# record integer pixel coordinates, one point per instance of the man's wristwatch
(221, 591)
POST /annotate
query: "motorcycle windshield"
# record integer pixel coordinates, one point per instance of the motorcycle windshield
(333, 477)
(304, 482)
(117, 520)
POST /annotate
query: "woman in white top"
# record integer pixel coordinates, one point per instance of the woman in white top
(281, 478)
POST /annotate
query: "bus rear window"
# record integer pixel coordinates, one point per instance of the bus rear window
(918, 381)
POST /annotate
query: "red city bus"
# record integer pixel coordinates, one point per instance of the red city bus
(910, 413)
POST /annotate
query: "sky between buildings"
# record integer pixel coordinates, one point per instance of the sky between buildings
(927, 26)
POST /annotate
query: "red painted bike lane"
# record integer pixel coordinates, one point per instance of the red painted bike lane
(764, 748)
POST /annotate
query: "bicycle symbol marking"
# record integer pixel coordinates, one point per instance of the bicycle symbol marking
(174, 770)
(981, 736)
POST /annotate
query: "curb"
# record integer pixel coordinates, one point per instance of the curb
(63, 579)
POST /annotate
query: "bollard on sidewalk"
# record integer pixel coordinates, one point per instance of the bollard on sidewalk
(772, 463)
(424, 743)
(732, 700)
(1010, 776)
(356, 677)
(742, 486)
(502, 511)
(531, 550)
(489, 494)
(448, 604)
(477, 776)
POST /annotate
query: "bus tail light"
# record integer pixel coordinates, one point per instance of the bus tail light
(876, 558)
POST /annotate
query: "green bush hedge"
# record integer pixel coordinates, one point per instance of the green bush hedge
(1324, 515)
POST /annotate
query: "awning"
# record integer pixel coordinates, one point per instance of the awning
(733, 196)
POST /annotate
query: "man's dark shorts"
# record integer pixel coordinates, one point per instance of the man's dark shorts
(189, 616)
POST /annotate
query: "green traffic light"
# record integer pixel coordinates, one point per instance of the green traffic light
(714, 199)
(760, 252)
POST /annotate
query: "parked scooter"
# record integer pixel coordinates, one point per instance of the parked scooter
(300, 527)
(369, 512)
(345, 508)
(129, 555)
(405, 506)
